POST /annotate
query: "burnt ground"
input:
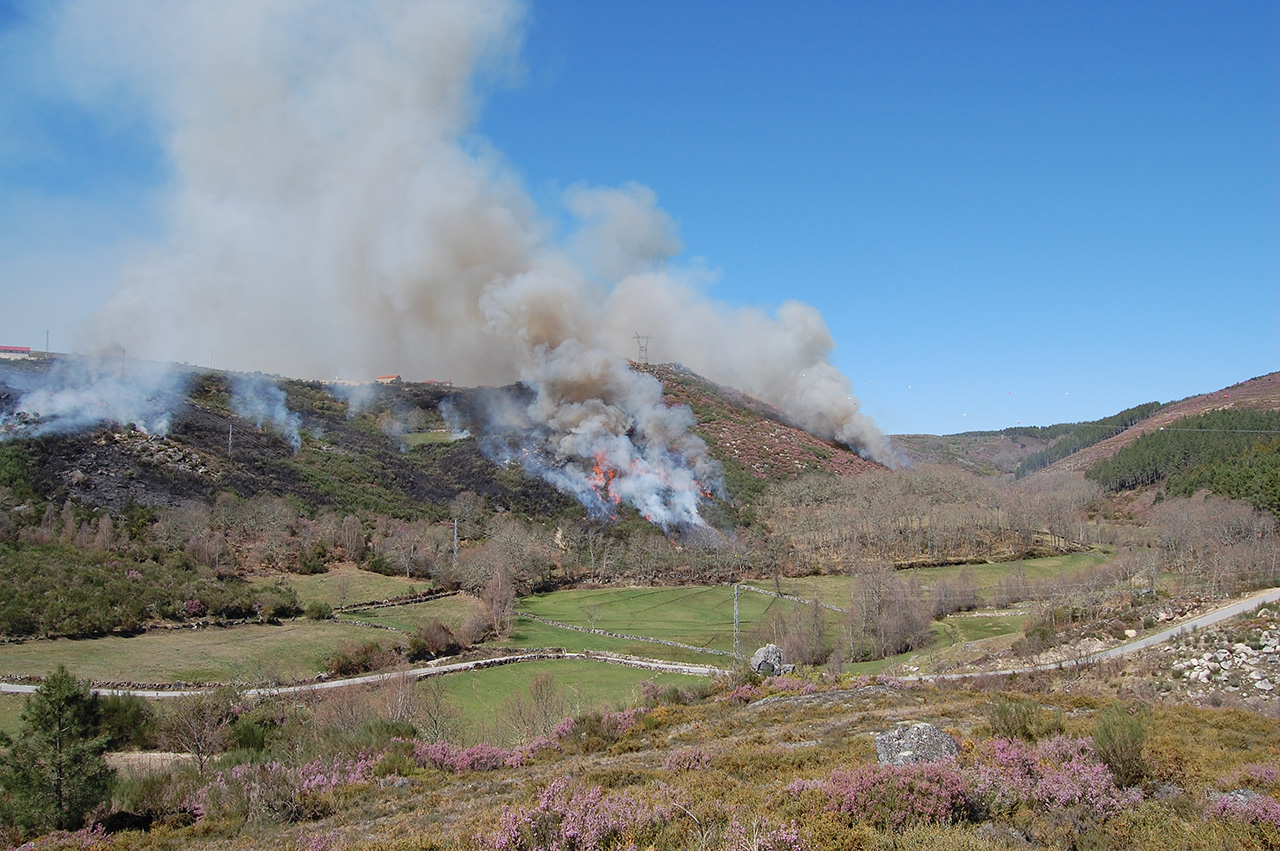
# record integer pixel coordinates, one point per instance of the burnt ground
(344, 463)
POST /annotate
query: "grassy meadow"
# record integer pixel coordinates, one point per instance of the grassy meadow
(835, 590)
(584, 685)
(345, 585)
(700, 617)
(696, 616)
(291, 651)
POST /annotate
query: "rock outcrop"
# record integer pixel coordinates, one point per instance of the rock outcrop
(918, 743)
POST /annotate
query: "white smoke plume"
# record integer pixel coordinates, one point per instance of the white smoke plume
(596, 430)
(257, 398)
(77, 394)
(333, 213)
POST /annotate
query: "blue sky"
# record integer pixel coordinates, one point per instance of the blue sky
(1006, 212)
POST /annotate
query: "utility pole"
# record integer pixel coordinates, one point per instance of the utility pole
(455, 546)
(46, 342)
(228, 441)
(737, 639)
(642, 343)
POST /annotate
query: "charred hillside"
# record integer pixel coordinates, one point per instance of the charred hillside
(383, 449)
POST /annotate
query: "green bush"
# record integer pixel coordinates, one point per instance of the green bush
(1119, 737)
(1024, 719)
(355, 659)
(319, 611)
(127, 721)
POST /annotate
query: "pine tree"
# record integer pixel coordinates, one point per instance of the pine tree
(54, 773)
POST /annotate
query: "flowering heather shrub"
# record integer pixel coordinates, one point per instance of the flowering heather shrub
(593, 732)
(689, 759)
(761, 836)
(895, 797)
(1249, 808)
(572, 821)
(744, 694)
(193, 608)
(447, 757)
(789, 685)
(1254, 775)
(276, 792)
(564, 729)
(1053, 775)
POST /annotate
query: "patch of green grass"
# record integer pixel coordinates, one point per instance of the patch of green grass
(528, 633)
(346, 585)
(697, 616)
(481, 695)
(246, 654)
(450, 610)
(10, 708)
(969, 628)
(835, 590)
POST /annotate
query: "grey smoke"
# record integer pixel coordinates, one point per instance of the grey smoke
(82, 393)
(600, 432)
(333, 212)
(257, 398)
(358, 395)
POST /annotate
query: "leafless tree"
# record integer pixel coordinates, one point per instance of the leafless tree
(352, 538)
(437, 718)
(500, 601)
(198, 723)
(536, 712)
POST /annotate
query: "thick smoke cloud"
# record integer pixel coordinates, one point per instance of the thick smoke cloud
(333, 214)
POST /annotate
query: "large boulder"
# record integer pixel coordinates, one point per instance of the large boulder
(917, 743)
(767, 661)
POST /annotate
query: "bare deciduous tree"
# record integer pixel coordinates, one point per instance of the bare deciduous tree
(198, 723)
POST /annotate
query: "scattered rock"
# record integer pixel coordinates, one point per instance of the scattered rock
(1001, 835)
(767, 661)
(918, 743)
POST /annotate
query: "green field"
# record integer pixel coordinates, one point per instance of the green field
(529, 633)
(697, 616)
(346, 585)
(245, 654)
(10, 708)
(585, 685)
(971, 628)
(835, 590)
(449, 610)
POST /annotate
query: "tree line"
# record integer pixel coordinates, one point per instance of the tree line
(1069, 438)
(1232, 452)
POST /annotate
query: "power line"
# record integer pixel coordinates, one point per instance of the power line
(1225, 430)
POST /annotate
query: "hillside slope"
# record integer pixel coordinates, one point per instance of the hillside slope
(744, 432)
(1261, 393)
(386, 452)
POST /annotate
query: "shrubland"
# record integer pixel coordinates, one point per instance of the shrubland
(782, 762)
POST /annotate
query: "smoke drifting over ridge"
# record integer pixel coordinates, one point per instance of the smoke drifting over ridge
(333, 214)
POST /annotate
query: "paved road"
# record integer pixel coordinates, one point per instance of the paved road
(1229, 611)
(1271, 595)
